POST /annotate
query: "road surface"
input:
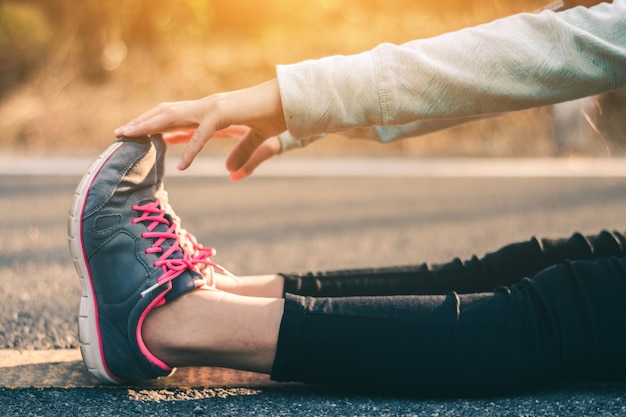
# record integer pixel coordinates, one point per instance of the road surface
(270, 224)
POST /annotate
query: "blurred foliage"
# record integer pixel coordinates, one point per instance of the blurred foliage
(71, 70)
(93, 37)
(24, 39)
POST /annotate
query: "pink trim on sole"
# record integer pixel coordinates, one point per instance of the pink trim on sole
(101, 369)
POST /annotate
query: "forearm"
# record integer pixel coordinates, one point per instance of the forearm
(511, 64)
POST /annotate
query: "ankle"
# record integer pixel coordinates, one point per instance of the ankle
(165, 335)
(218, 329)
(266, 286)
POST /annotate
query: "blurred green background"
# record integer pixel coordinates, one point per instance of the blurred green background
(71, 71)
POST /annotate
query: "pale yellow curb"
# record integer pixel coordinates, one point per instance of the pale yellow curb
(65, 369)
(33, 357)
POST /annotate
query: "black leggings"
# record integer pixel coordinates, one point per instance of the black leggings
(530, 314)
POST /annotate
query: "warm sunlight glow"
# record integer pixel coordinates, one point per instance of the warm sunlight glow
(72, 69)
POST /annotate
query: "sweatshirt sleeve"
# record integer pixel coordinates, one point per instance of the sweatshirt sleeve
(521, 61)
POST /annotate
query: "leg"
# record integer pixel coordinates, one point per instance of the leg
(501, 268)
(226, 330)
(569, 321)
(270, 286)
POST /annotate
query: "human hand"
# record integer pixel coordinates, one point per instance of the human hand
(270, 147)
(258, 108)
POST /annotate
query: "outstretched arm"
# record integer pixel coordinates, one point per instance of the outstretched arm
(514, 63)
(511, 64)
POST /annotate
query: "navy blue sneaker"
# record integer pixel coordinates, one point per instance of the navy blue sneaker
(128, 254)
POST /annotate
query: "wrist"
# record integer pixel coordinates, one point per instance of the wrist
(257, 105)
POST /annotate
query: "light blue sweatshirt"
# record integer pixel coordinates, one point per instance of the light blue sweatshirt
(521, 61)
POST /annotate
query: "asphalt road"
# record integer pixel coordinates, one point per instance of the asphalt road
(266, 225)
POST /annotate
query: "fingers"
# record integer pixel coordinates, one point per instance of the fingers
(244, 149)
(128, 127)
(196, 142)
(233, 131)
(183, 135)
(163, 117)
(178, 136)
(265, 151)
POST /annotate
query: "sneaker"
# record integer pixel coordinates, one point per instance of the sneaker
(128, 255)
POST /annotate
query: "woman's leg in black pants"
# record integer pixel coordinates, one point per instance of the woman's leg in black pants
(568, 321)
(501, 268)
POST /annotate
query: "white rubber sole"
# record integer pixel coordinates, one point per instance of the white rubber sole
(88, 330)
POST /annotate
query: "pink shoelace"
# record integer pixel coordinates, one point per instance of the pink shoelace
(194, 256)
(199, 251)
